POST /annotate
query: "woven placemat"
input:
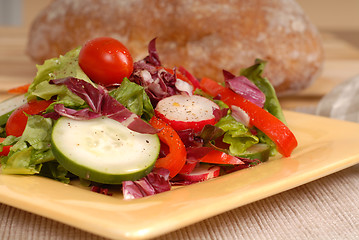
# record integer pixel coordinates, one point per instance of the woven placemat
(324, 209)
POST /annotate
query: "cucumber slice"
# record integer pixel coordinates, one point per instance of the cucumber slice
(9, 105)
(103, 150)
(258, 151)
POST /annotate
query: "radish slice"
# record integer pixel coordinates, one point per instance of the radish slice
(201, 173)
(189, 166)
(187, 112)
(184, 86)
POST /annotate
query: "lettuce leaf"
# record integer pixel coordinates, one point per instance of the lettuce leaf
(54, 170)
(134, 98)
(31, 149)
(237, 135)
(55, 68)
(265, 139)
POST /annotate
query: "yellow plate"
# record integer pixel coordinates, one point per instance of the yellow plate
(325, 146)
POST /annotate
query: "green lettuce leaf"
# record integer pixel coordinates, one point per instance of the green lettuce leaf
(54, 170)
(265, 139)
(134, 98)
(31, 149)
(237, 135)
(55, 68)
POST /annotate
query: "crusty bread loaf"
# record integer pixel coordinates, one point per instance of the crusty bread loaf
(203, 36)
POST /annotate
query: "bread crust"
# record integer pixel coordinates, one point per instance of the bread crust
(203, 36)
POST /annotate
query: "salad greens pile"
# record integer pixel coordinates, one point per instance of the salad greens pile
(31, 153)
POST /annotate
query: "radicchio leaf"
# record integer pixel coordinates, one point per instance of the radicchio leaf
(155, 182)
(156, 80)
(197, 152)
(102, 104)
(83, 114)
(244, 87)
(153, 57)
(219, 113)
(86, 91)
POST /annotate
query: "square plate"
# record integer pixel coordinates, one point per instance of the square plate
(325, 146)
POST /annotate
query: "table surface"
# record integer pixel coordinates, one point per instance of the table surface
(323, 209)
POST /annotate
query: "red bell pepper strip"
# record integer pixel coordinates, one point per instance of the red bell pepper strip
(218, 157)
(5, 150)
(276, 130)
(189, 76)
(19, 90)
(175, 160)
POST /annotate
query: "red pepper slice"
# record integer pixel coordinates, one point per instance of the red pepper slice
(276, 130)
(218, 157)
(19, 90)
(5, 150)
(175, 160)
(189, 76)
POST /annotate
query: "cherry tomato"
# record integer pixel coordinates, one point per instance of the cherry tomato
(17, 121)
(105, 61)
(5, 150)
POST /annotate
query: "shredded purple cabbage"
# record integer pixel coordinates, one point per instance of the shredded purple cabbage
(83, 114)
(157, 82)
(220, 113)
(244, 87)
(153, 58)
(155, 182)
(101, 104)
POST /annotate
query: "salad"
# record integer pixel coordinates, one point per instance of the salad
(96, 115)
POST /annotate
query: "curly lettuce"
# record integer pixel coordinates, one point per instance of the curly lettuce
(238, 136)
(56, 68)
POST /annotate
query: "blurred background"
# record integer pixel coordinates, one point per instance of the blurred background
(338, 23)
(326, 14)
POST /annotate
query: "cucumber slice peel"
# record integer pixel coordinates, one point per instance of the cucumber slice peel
(103, 150)
(260, 151)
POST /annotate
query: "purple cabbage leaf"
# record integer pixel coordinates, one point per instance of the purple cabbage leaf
(101, 104)
(155, 182)
(244, 87)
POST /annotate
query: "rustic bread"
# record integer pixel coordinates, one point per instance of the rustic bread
(203, 36)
